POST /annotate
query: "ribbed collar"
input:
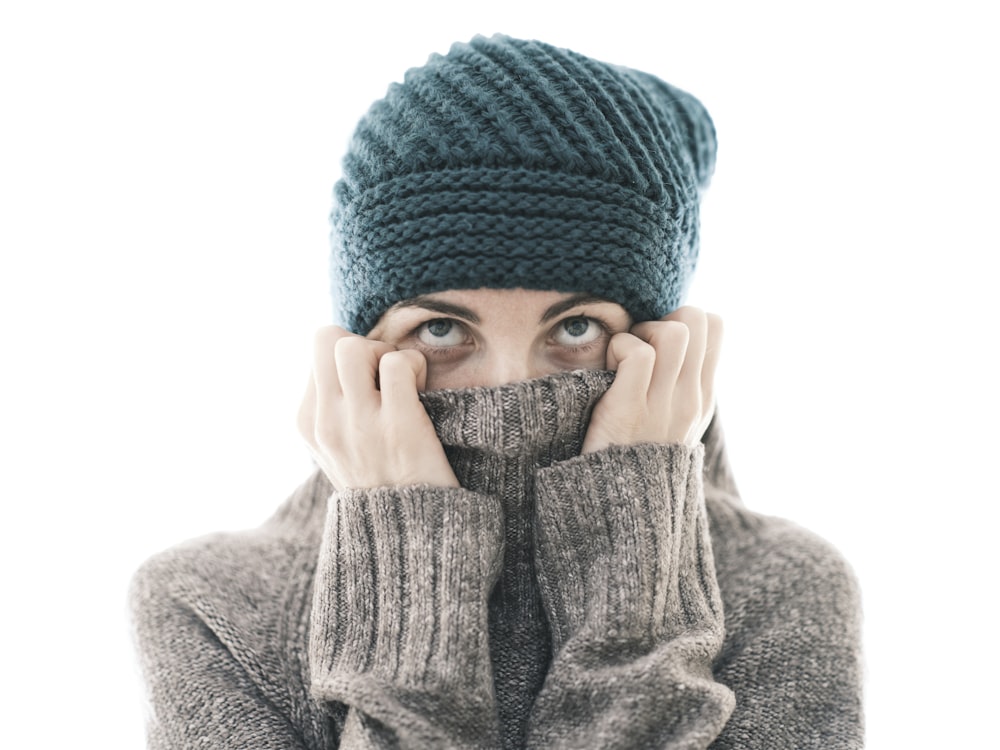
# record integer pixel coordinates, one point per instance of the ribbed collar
(545, 417)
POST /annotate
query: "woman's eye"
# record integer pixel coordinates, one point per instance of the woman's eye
(441, 332)
(577, 332)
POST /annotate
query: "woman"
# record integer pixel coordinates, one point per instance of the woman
(523, 531)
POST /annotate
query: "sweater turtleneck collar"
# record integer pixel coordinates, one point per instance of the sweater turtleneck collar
(538, 421)
(543, 420)
(545, 417)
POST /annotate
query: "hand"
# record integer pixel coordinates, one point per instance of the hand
(664, 386)
(363, 419)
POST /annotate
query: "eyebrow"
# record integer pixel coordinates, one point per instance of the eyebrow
(445, 308)
(458, 311)
(582, 298)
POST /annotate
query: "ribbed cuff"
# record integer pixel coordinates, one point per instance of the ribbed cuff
(399, 620)
(622, 544)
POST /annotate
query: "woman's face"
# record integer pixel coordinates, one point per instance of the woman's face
(488, 337)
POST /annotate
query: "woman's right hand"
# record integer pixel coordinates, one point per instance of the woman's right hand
(363, 419)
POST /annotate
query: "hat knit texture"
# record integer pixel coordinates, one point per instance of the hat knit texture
(510, 163)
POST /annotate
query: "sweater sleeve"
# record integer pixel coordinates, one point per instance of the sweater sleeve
(399, 629)
(628, 581)
(206, 687)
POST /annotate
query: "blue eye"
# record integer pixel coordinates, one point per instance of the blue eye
(441, 332)
(577, 332)
(439, 328)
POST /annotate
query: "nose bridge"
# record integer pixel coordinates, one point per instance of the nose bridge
(506, 364)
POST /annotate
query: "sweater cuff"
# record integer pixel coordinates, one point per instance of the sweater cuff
(622, 544)
(402, 590)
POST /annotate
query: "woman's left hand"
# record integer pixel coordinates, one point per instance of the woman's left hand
(664, 383)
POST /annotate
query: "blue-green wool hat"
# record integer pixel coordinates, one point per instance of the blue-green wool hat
(510, 163)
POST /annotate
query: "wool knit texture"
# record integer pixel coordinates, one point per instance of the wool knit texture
(509, 163)
(620, 599)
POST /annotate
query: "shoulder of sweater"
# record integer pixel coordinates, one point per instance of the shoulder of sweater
(766, 559)
(238, 604)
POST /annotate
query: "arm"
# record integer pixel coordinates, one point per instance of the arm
(628, 580)
(399, 622)
(399, 628)
(625, 561)
(206, 686)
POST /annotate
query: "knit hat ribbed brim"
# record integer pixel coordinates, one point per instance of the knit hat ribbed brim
(510, 163)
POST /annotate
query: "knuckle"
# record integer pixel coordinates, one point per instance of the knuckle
(392, 363)
(328, 335)
(677, 330)
(687, 313)
(637, 350)
(645, 350)
(411, 356)
(401, 358)
(622, 339)
(669, 335)
(673, 326)
(350, 346)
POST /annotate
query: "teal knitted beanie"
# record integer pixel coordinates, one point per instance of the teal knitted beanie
(510, 163)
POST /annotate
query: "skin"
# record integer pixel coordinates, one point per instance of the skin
(366, 427)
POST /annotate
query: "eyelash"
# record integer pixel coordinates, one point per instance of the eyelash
(583, 348)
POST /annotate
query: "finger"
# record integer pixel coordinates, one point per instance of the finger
(713, 348)
(328, 393)
(403, 374)
(325, 376)
(689, 378)
(669, 339)
(357, 365)
(633, 360)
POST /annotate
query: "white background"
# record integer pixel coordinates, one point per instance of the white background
(166, 170)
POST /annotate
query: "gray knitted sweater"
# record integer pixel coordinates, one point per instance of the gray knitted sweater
(620, 599)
